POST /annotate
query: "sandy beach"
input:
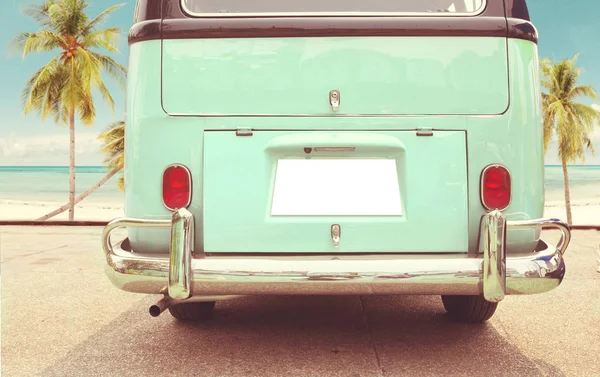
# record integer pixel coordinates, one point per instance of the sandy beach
(585, 212)
(30, 210)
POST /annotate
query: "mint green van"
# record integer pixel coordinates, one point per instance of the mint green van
(334, 148)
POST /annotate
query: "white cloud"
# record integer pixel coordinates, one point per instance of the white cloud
(50, 150)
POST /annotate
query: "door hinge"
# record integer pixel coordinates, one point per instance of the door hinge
(243, 132)
(424, 132)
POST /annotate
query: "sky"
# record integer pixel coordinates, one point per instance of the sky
(565, 28)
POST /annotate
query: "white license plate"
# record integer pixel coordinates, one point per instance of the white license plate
(331, 187)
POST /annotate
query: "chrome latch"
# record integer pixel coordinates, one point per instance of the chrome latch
(334, 100)
(424, 131)
(336, 233)
(243, 131)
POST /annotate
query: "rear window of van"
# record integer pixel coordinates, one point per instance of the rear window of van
(224, 8)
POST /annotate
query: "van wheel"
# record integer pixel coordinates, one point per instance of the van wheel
(193, 311)
(470, 309)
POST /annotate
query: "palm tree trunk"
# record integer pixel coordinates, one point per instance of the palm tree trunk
(82, 196)
(72, 165)
(567, 193)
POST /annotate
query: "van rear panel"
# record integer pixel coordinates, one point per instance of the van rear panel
(374, 76)
(281, 192)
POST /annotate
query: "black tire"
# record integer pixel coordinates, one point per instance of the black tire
(471, 309)
(193, 311)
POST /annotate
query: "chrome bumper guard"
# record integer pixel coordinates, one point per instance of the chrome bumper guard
(185, 274)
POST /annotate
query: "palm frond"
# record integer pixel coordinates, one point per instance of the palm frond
(59, 17)
(39, 12)
(548, 79)
(106, 94)
(42, 41)
(69, 94)
(547, 119)
(114, 144)
(68, 16)
(114, 69)
(582, 90)
(587, 116)
(121, 182)
(47, 80)
(98, 19)
(91, 73)
(114, 131)
(573, 60)
(85, 107)
(88, 70)
(587, 142)
(106, 38)
(76, 17)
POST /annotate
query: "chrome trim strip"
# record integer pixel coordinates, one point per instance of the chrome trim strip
(481, 186)
(565, 231)
(162, 187)
(494, 257)
(328, 115)
(395, 274)
(334, 14)
(180, 264)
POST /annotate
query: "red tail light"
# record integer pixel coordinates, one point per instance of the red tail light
(177, 187)
(495, 187)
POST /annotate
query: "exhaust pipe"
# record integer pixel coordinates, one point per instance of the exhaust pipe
(160, 306)
(167, 301)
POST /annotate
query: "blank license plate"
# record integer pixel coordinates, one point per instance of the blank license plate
(331, 187)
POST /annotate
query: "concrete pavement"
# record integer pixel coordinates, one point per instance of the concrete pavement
(62, 317)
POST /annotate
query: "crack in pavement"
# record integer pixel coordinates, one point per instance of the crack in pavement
(23, 256)
(371, 341)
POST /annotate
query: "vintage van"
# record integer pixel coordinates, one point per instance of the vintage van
(335, 148)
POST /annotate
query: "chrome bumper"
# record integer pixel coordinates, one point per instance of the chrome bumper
(185, 274)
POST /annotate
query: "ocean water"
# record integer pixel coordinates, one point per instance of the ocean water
(51, 184)
(584, 184)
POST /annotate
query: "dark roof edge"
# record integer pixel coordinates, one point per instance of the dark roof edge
(339, 27)
(500, 18)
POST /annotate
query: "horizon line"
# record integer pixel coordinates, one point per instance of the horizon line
(105, 166)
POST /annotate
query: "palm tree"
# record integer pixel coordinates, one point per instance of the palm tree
(63, 87)
(571, 121)
(114, 147)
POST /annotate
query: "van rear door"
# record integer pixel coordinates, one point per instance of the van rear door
(282, 191)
